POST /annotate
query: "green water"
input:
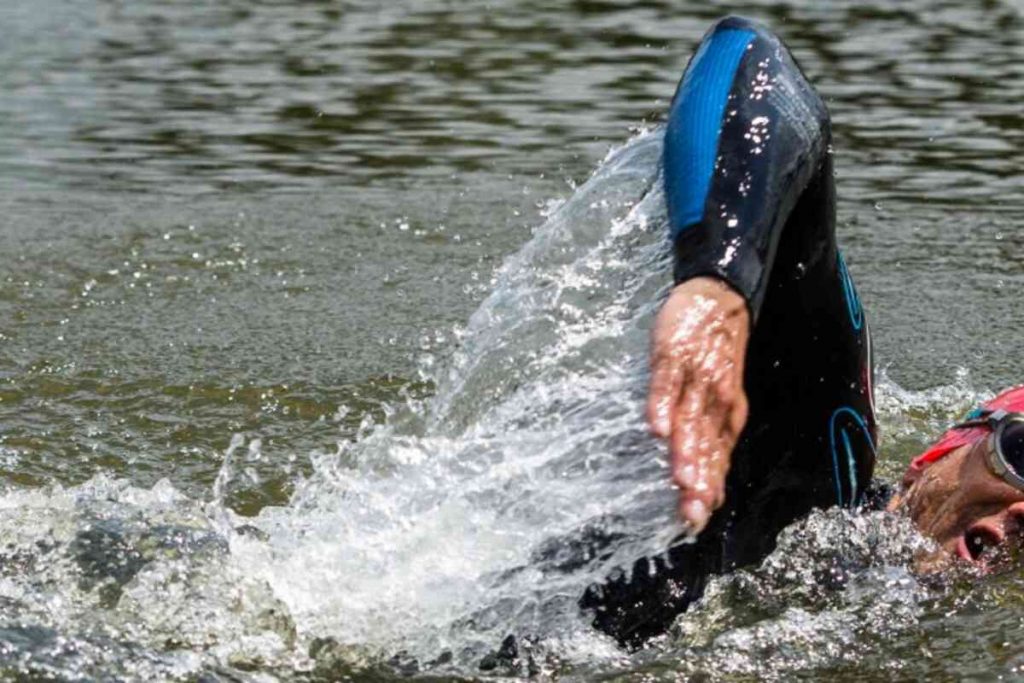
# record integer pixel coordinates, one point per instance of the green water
(240, 216)
(274, 218)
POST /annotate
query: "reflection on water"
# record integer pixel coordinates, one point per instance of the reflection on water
(125, 95)
(280, 219)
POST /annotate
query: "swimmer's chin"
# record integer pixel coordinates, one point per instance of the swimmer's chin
(935, 561)
(957, 561)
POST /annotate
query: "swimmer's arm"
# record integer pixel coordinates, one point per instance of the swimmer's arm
(696, 398)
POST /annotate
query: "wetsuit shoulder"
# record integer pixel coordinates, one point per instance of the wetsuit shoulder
(746, 133)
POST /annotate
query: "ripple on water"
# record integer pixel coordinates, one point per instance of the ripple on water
(225, 218)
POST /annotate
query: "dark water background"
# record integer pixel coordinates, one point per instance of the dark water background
(267, 217)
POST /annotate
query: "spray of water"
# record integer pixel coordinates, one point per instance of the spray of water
(481, 512)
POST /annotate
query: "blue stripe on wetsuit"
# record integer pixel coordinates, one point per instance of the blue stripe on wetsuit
(695, 122)
(862, 431)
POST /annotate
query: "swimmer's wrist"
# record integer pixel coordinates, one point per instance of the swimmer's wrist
(718, 290)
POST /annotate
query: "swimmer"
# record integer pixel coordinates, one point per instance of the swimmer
(761, 364)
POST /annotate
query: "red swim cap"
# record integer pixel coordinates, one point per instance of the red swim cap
(1011, 400)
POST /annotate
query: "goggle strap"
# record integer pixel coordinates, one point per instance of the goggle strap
(982, 418)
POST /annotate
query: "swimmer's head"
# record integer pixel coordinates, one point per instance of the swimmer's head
(963, 492)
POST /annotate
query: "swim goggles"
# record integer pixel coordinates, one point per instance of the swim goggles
(1004, 446)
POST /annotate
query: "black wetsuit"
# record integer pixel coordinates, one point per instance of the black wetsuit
(751, 200)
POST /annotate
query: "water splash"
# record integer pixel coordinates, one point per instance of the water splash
(486, 510)
(480, 512)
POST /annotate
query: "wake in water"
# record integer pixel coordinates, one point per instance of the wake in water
(480, 513)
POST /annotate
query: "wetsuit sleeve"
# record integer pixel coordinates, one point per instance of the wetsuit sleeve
(746, 134)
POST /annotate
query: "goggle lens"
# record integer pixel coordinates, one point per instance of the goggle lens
(1011, 443)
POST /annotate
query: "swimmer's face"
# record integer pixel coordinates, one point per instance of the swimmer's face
(969, 511)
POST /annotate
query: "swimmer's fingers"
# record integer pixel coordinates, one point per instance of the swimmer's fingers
(667, 373)
(701, 479)
(696, 447)
(740, 408)
(689, 452)
(677, 327)
(696, 396)
(731, 395)
(707, 424)
(730, 414)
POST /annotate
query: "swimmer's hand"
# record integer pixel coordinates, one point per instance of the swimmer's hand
(696, 398)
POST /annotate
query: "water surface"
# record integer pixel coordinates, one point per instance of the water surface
(285, 221)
